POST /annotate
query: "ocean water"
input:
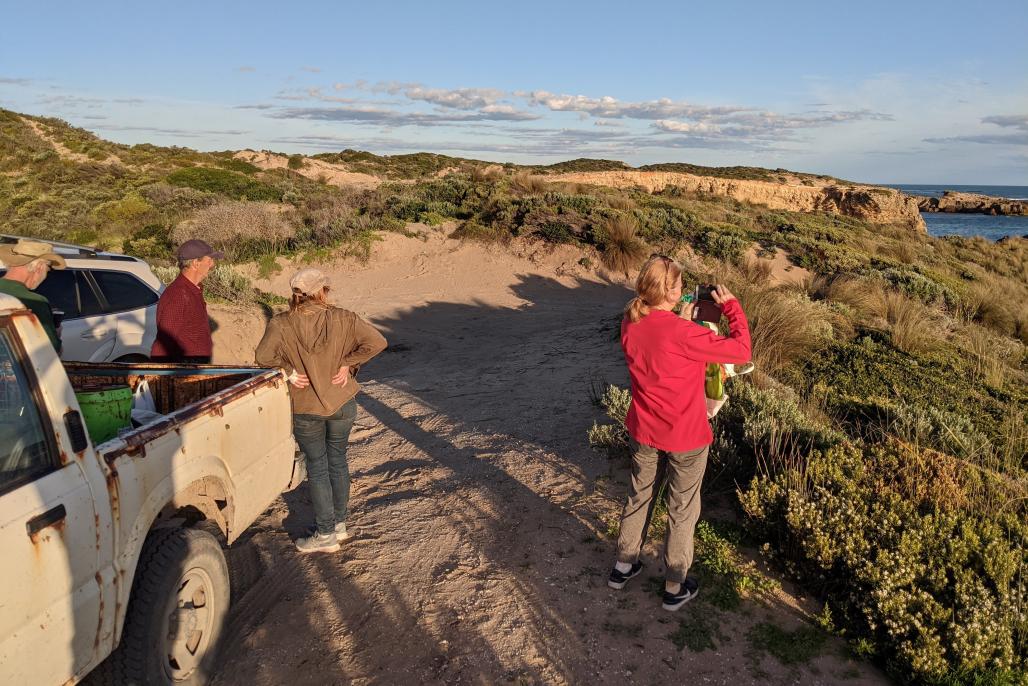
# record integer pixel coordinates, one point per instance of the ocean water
(993, 228)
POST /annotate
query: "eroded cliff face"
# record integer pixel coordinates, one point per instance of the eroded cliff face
(869, 203)
(972, 203)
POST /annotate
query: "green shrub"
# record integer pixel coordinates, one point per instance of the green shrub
(724, 246)
(223, 182)
(612, 438)
(940, 592)
(295, 162)
(236, 165)
(123, 213)
(472, 230)
(152, 242)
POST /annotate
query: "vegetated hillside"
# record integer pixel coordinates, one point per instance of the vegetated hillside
(887, 416)
(413, 166)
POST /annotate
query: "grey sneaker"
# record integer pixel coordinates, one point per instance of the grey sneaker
(341, 533)
(318, 543)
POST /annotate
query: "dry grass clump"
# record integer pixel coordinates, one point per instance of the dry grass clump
(861, 298)
(754, 271)
(861, 295)
(986, 366)
(994, 358)
(622, 248)
(903, 250)
(523, 182)
(487, 174)
(784, 327)
(913, 327)
(620, 201)
(233, 226)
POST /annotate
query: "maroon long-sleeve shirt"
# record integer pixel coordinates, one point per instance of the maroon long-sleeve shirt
(183, 330)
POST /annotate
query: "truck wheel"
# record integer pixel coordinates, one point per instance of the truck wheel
(179, 601)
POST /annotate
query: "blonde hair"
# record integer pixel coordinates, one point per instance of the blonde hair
(656, 278)
(299, 298)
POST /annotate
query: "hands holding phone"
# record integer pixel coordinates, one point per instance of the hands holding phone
(717, 294)
(721, 294)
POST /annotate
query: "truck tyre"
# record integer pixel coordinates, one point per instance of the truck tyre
(178, 606)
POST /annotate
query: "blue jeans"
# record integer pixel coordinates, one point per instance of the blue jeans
(323, 440)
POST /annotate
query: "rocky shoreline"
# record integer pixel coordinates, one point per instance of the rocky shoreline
(971, 203)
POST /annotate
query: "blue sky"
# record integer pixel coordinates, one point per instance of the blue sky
(898, 92)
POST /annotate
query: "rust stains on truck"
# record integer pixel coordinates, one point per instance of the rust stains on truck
(212, 406)
(46, 533)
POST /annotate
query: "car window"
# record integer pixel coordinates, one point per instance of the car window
(89, 305)
(124, 291)
(60, 289)
(25, 452)
(68, 291)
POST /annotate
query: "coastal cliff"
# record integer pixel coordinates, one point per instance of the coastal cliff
(972, 203)
(869, 203)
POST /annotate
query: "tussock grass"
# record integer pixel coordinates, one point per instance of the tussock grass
(755, 271)
(623, 251)
(912, 326)
(523, 182)
(784, 327)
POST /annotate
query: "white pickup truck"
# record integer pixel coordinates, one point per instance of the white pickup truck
(108, 549)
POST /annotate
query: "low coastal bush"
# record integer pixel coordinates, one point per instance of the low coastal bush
(244, 230)
(224, 182)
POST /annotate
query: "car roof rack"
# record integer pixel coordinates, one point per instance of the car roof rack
(71, 249)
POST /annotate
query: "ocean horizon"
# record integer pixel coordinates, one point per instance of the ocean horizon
(993, 227)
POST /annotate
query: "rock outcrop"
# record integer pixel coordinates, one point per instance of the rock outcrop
(869, 203)
(973, 203)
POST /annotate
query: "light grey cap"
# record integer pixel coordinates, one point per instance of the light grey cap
(308, 281)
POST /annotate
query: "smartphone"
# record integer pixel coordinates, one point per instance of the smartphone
(705, 309)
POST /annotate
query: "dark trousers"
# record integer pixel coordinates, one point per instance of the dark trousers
(323, 441)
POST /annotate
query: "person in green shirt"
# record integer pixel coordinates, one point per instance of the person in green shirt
(28, 263)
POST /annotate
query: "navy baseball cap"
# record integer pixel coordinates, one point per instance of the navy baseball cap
(195, 249)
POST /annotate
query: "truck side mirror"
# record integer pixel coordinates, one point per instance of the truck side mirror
(76, 431)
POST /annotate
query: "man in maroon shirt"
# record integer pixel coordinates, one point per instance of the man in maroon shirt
(183, 330)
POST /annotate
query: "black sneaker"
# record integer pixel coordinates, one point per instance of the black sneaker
(619, 579)
(689, 590)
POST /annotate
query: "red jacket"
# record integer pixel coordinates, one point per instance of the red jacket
(182, 326)
(667, 357)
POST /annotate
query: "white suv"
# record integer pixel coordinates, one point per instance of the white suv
(108, 301)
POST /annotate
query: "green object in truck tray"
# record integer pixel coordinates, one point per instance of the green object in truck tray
(105, 411)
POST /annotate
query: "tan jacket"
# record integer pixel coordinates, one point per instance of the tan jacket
(316, 340)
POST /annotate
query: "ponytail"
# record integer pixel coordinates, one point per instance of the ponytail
(636, 309)
(655, 279)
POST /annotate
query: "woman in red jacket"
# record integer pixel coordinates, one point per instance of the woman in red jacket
(667, 356)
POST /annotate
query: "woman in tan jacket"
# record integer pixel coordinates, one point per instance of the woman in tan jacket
(320, 346)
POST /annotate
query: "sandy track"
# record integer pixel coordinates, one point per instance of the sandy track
(477, 506)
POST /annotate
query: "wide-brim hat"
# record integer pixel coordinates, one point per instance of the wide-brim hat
(23, 252)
